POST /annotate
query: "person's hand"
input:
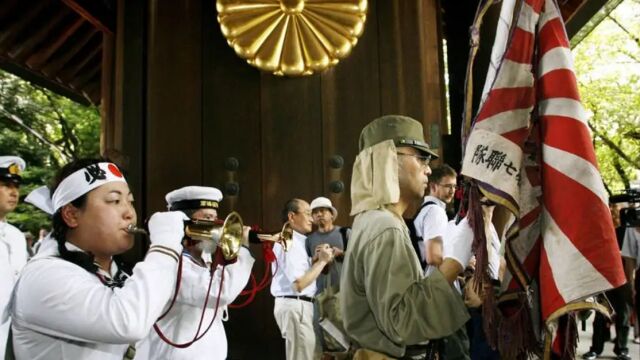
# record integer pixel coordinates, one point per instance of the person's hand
(471, 297)
(245, 235)
(472, 263)
(337, 252)
(269, 237)
(167, 229)
(325, 253)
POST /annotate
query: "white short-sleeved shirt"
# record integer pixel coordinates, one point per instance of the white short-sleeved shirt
(430, 222)
(631, 245)
(289, 266)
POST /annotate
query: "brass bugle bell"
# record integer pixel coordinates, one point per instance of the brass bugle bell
(285, 237)
(226, 235)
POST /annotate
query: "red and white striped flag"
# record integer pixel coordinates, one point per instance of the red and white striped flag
(530, 150)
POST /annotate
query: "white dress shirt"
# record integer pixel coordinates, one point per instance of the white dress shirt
(13, 257)
(61, 311)
(289, 266)
(181, 323)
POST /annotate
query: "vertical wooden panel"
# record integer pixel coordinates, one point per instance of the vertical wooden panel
(129, 112)
(108, 123)
(231, 128)
(409, 62)
(174, 106)
(291, 142)
(350, 100)
(291, 158)
(231, 122)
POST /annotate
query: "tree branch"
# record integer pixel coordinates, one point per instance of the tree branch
(613, 146)
(16, 120)
(621, 173)
(69, 139)
(631, 35)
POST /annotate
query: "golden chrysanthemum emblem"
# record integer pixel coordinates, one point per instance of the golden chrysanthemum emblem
(292, 37)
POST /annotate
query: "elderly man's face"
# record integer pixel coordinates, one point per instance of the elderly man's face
(301, 220)
(413, 172)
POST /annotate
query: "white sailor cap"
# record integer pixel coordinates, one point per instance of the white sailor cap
(194, 197)
(10, 168)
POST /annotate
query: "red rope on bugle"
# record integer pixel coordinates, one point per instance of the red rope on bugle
(255, 288)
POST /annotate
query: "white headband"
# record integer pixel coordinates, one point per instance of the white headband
(74, 186)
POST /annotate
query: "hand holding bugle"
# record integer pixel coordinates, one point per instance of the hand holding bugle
(229, 234)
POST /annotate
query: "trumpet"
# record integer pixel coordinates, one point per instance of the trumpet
(227, 234)
(284, 237)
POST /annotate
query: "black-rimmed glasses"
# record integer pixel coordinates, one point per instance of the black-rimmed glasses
(422, 159)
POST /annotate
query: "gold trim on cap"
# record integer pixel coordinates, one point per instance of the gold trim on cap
(14, 169)
(208, 203)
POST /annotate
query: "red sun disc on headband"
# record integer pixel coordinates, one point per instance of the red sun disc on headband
(114, 170)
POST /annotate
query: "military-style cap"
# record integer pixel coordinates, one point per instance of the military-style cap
(10, 168)
(403, 130)
(194, 197)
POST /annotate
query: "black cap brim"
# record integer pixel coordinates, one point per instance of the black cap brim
(420, 146)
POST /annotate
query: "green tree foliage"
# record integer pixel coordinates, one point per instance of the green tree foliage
(608, 69)
(47, 131)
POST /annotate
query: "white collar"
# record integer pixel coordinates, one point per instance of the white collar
(438, 202)
(298, 236)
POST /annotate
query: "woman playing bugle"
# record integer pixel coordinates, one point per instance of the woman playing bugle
(72, 301)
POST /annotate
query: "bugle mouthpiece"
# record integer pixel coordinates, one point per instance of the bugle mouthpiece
(134, 230)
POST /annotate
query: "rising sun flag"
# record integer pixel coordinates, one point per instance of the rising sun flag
(530, 150)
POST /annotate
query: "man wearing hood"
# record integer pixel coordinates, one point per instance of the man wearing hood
(390, 310)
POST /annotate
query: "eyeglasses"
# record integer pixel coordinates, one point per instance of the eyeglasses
(422, 159)
(449, 186)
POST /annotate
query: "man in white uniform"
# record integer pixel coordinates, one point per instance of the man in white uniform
(181, 323)
(13, 246)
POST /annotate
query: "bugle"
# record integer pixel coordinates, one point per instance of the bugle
(227, 234)
(284, 237)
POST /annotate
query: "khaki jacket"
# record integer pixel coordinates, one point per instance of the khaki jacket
(386, 301)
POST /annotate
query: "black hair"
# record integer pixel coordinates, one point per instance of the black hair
(292, 205)
(60, 227)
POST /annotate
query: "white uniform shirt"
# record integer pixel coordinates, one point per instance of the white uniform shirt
(181, 323)
(61, 311)
(430, 222)
(631, 245)
(290, 266)
(13, 257)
